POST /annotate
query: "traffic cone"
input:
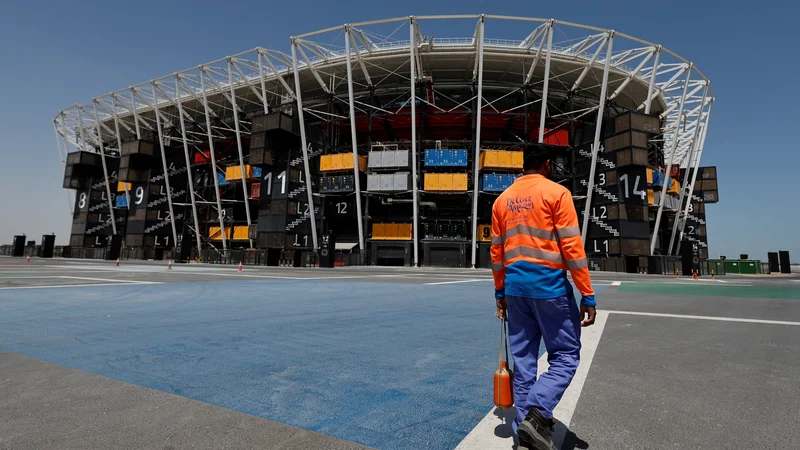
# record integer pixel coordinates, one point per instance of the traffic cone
(694, 275)
(676, 274)
(240, 266)
(116, 264)
(27, 259)
(169, 265)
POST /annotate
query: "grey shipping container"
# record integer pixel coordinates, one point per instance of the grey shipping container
(375, 160)
(387, 159)
(402, 181)
(373, 181)
(401, 158)
(387, 182)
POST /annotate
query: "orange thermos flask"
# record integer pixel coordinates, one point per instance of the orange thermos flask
(503, 378)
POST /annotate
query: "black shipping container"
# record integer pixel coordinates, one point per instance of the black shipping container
(18, 246)
(774, 264)
(786, 266)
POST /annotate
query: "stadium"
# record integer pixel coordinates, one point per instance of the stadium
(382, 143)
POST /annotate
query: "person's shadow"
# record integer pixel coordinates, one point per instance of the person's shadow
(563, 437)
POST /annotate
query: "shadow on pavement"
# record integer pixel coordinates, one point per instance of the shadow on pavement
(568, 439)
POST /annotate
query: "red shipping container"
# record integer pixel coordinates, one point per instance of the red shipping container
(255, 190)
(557, 137)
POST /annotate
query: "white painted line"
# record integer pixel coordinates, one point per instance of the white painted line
(101, 279)
(485, 434)
(616, 283)
(77, 285)
(590, 338)
(459, 281)
(718, 319)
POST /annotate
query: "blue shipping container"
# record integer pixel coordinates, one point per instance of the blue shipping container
(461, 158)
(122, 200)
(221, 179)
(448, 158)
(432, 158)
(256, 172)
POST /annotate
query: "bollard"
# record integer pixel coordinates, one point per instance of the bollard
(712, 275)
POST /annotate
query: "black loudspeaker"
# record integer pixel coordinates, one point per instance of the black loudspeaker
(774, 266)
(115, 249)
(690, 257)
(48, 244)
(187, 240)
(786, 266)
(18, 247)
(327, 251)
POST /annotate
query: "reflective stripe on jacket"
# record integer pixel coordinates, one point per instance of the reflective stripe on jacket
(535, 240)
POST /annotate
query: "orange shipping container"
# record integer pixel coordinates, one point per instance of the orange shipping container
(460, 182)
(489, 159)
(325, 162)
(517, 160)
(445, 181)
(240, 233)
(405, 232)
(337, 162)
(504, 160)
(431, 181)
(392, 231)
(378, 231)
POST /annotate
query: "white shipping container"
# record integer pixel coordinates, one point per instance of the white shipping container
(388, 158)
(401, 158)
(375, 160)
(387, 181)
(373, 181)
(402, 181)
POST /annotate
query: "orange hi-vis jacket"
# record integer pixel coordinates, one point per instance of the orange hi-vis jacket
(535, 239)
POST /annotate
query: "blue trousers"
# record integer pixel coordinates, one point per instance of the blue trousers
(557, 322)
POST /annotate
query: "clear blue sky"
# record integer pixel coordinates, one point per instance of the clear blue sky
(55, 54)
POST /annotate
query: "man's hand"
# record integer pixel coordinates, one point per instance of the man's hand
(501, 308)
(588, 314)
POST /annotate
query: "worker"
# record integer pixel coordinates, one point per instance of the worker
(535, 240)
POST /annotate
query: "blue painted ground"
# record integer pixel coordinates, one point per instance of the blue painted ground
(386, 365)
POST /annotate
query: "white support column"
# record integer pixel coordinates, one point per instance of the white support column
(263, 85)
(82, 141)
(696, 166)
(475, 168)
(188, 167)
(652, 82)
(105, 167)
(543, 111)
(596, 142)
(213, 160)
(119, 146)
(309, 191)
(674, 145)
(135, 111)
(239, 147)
(689, 164)
(415, 191)
(362, 250)
(164, 165)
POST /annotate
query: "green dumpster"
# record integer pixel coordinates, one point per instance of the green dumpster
(750, 267)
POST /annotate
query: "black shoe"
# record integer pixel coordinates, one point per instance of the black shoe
(536, 432)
